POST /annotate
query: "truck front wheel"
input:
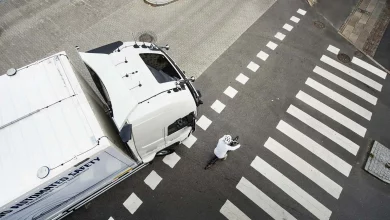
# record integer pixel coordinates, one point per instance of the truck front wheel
(164, 152)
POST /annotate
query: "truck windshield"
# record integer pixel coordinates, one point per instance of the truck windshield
(100, 86)
(161, 68)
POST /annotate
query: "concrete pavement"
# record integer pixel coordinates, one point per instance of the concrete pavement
(30, 30)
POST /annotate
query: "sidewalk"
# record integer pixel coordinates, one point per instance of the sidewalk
(366, 25)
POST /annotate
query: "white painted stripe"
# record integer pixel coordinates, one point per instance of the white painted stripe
(263, 201)
(242, 78)
(339, 98)
(346, 85)
(230, 91)
(231, 212)
(305, 168)
(291, 189)
(369, 67)
(295, 19)
(111, 218)
(204, 122)
(351, 72)
(318, 150)
(302, 12)
(188, 142)
(331, 113)
(171, 159)
(287, 27)
(152, 180)
(262, 55)
(271, 45)
(218, 106)
(333, 49)
(132, 203)
(253, 66)
(280, 36)
(324, 130)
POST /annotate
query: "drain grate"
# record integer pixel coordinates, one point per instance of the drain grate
(344, 58)
(147, 36)
(319, 24)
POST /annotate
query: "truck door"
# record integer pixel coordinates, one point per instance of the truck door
(149, 136)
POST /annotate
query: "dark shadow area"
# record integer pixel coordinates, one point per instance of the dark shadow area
(335, 11)
(108, 48)
(383, 51)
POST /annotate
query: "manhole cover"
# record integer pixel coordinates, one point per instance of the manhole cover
(319, 24)
(358, 54)
(344, 58)
(147, 36)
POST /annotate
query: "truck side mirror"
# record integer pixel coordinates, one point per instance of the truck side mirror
(125, 133)
(192, 78)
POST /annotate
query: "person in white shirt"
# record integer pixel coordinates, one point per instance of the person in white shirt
(223, 147)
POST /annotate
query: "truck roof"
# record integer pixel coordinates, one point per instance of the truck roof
(45, 120)
(123, 70)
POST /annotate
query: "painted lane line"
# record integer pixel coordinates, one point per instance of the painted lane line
(171, 159)
(351, 72)
(324, 130)
(111, 218)
(302, 12)
(204, 122)
(262, 55)
(346, 85)
(271, 45)
(253, 66)
(280, 36)
(231, 212)
(230, 91)
(333, 49)
(188, 142)
(132, 203)
(291, 189)
(218, 106)
(331, 113)
(312, 146)
(339, 98)
(295, 19)
(242, 78)
(303, 167)
(263, 201)
(287, 27)
(369, 67)
(152, 180)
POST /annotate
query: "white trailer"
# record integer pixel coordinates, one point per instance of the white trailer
(65, 139)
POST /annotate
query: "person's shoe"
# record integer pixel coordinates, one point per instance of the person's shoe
(225, 157)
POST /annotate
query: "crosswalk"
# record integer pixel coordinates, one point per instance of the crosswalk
(352, 88)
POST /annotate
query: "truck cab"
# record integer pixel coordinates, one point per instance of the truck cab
(69, 134)
(150, 99)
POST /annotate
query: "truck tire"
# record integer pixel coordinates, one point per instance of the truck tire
(164, 152)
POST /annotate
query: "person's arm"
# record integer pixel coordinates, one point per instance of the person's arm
(230, 148)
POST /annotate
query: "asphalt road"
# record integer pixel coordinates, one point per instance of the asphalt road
(254, 113)
(217, 43)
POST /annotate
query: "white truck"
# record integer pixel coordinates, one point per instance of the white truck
(65, 139)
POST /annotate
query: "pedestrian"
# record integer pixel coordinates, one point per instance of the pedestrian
(222, 149)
